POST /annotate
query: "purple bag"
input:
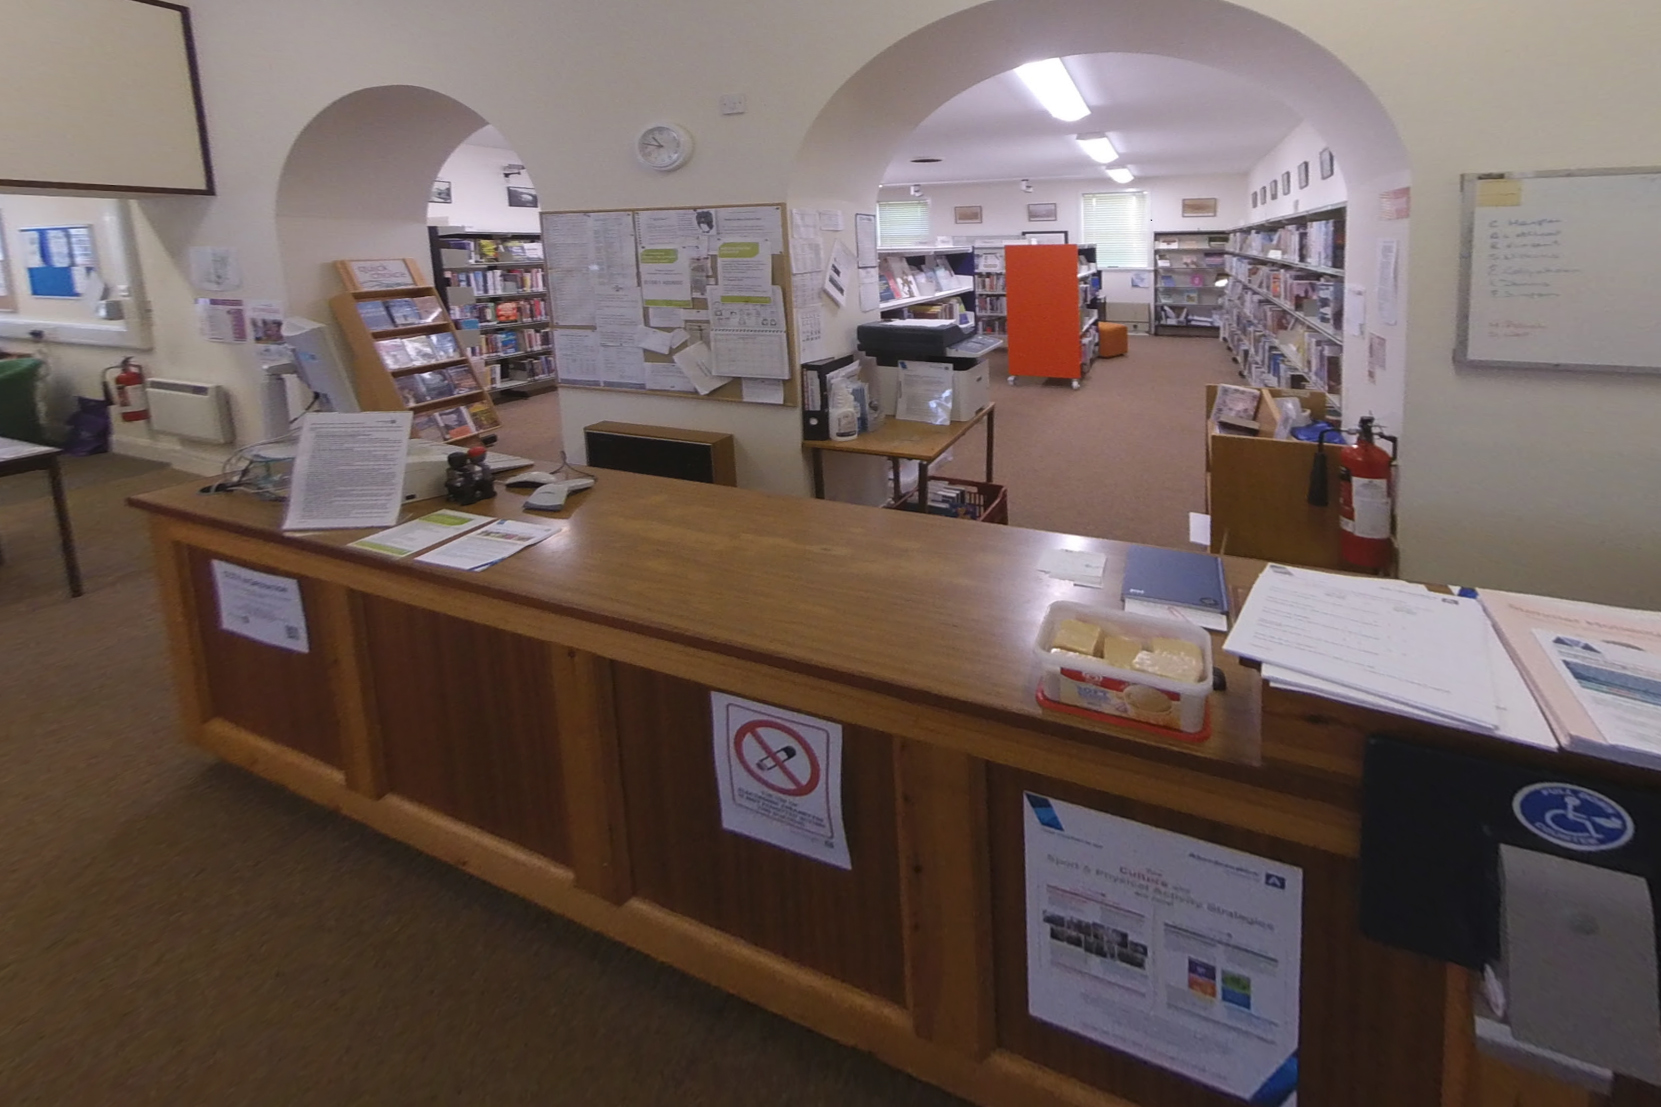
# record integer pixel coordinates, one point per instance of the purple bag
(89, 428)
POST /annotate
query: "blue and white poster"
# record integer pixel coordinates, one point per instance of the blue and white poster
(1180, 952)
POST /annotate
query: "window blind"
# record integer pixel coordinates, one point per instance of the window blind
(1116, 224)
(903, 222)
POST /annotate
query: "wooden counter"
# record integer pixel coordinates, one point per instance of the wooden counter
(545, 724)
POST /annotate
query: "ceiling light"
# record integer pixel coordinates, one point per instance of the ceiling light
(1097, 146)
(1049, 81)
(1121, 175)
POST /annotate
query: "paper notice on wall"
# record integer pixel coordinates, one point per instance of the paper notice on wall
(215, 269)
(1355, 309)
(779, 776)
(260, 606)
(697, 363)
(658, 342)
(806, 255)
(757, 391)
(830, 219)
(622, 367)
(1377, 357)
(577, 356)
(613, 233)
(750, 354)
(761, 224)
(810, 332)
(665, 316)
(870, 293)
(865, 240)
(617, 317)
(671, 228)
(222, 320)
(265, 322)
(1386, 287)
(348, 470)
(804, 223)
(839, 274)
(1169, 948)
(666, 277)
(804, 289)
(666, 376)
(745, 270)
(768, 315)
(568, 245)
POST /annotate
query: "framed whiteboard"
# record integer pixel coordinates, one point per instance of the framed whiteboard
(1558, 270)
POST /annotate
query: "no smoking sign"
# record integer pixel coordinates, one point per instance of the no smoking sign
(780, 777)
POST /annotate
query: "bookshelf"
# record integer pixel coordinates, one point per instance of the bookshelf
(915, 282)
(991, 291)
(1050, 295)
(496, 290)
(1188, 278)
(1282, 317)
(407, 356)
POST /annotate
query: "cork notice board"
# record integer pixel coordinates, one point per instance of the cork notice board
(691, 302)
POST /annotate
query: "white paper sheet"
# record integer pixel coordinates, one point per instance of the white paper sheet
(865, 240)
(666, 277)
(577, 356)
(417, 534)
(756, 391)
(767, 316)
(870, 293)
(1153, 609)
(750, 354)
(745, 271)
(260, 606)
(666, 376)
(1082, 567)
(11, 449)
(830, 219)
(569, 246)
(806, 255)
(1199, 529)
(659, 342)
(758, 224)
(839, 274)
(221, 320)
(614, 260)
(810, 333)
(779, 777)
(697, 363)
(665, 316)
(617, 317)
(804, 223)
(348, 470)
(667, 228)
(925, 392)
(483, 548)
(622, 367)
(215, 269)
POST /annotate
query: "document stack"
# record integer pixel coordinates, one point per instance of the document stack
(1389, 645)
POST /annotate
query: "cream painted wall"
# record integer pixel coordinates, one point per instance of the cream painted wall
(1528, 480)
(479, 195)
(1304, 144)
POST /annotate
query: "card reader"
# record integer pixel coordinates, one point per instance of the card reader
(551, 497)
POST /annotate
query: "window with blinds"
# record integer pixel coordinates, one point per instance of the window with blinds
(1116, 224)
(903, 222)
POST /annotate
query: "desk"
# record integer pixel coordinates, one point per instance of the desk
(903, 440)
(583, 779)
(26, 457)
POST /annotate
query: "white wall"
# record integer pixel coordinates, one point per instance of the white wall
(1004, 211)
(1530, 480)
(478, 191)
(1303, 144)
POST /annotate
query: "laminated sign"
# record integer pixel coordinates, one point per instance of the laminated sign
(780, 777)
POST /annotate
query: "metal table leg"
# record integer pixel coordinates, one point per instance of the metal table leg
(990, 416)
(66, 536)
(923, 487)
(818, 474)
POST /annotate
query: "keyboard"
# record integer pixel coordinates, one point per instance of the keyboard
(501, 463)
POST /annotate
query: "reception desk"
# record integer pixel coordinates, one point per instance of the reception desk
(546, 725)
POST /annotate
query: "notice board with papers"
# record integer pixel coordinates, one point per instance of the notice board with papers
(695, 302)
(1557, 270)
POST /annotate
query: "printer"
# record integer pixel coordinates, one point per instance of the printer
(941, 341)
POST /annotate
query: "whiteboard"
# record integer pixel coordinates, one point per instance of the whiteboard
(1560, 270)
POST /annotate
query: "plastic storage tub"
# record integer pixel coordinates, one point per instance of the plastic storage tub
(1092, 684)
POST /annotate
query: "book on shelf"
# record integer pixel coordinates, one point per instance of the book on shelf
(425, 425)
(462, 378)
(421, 350)
(409, 388)
(404, 313)
(455, 423)
(483, 415)
(436, 384)
(374, 315)
(394, 354)
(430, 309)
(444, 346)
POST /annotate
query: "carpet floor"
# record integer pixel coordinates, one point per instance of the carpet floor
(174, 931)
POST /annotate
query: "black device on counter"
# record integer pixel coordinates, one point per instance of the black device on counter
(911, 338)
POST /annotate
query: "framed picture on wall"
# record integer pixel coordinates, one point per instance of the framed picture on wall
(1303, 174)
(1325, 159)
(1040, 213)
(966, 214)
(1202, 207)
(1274, 190)
(440, 193)
(1286, 183)
(1257, 197)
(521, 197)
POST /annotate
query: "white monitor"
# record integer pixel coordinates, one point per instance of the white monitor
(317, 365)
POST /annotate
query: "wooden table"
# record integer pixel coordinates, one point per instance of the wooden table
(904, 440)
(27, 457)
(583, 780)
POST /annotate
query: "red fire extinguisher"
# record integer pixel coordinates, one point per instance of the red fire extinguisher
(128, 393)
(1365, 513)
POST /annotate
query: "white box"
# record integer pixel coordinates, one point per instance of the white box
(1095, 686)
(971, 390)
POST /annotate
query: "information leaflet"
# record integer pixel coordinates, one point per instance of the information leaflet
(1168, 948)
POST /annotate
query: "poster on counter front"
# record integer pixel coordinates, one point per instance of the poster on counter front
(1180, 952)
(779, 774)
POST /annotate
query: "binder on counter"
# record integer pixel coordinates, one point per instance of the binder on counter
(1181, 577)
(816, 388)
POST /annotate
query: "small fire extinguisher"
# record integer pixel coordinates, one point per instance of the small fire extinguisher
(128, 393)
(1365, 512)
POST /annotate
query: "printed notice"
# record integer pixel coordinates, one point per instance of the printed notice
(665, 277)
(260, 606)
(577, 356)
(417, 534)
(483, 548)
(348, 471)
(746, 272)
(1168, 948)
(697, 364)
(751, 354)
(780, 777)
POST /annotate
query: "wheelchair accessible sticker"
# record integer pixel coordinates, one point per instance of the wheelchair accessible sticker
(1573, 817)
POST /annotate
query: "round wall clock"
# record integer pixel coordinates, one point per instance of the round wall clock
(664, 146)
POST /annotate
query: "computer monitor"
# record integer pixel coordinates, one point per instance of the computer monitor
(317, 365)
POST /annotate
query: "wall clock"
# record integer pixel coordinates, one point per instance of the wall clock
(664, 146)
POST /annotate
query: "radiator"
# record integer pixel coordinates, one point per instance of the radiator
(189, 409)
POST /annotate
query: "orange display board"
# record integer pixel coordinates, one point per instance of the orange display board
(1043, 311)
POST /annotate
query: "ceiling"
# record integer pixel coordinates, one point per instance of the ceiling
(1167, 117)
(488, 136)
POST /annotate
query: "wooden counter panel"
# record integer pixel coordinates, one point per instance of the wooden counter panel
(845, 924)
(467, 721)
(1371, 1018)
(278, 694)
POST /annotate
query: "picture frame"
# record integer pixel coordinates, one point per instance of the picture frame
(1041, 213)
(522, 197)
(1274, 189)
(1045, 238)
(968, 214)
(1303, 174)
(1326, 162)
(1199, 207)
(1254, 197)
(441, 193)
(1286, 183)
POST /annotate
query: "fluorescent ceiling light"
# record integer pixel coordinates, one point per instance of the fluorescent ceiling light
(1049, 81)
(1098, 147)
(1121, 175)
